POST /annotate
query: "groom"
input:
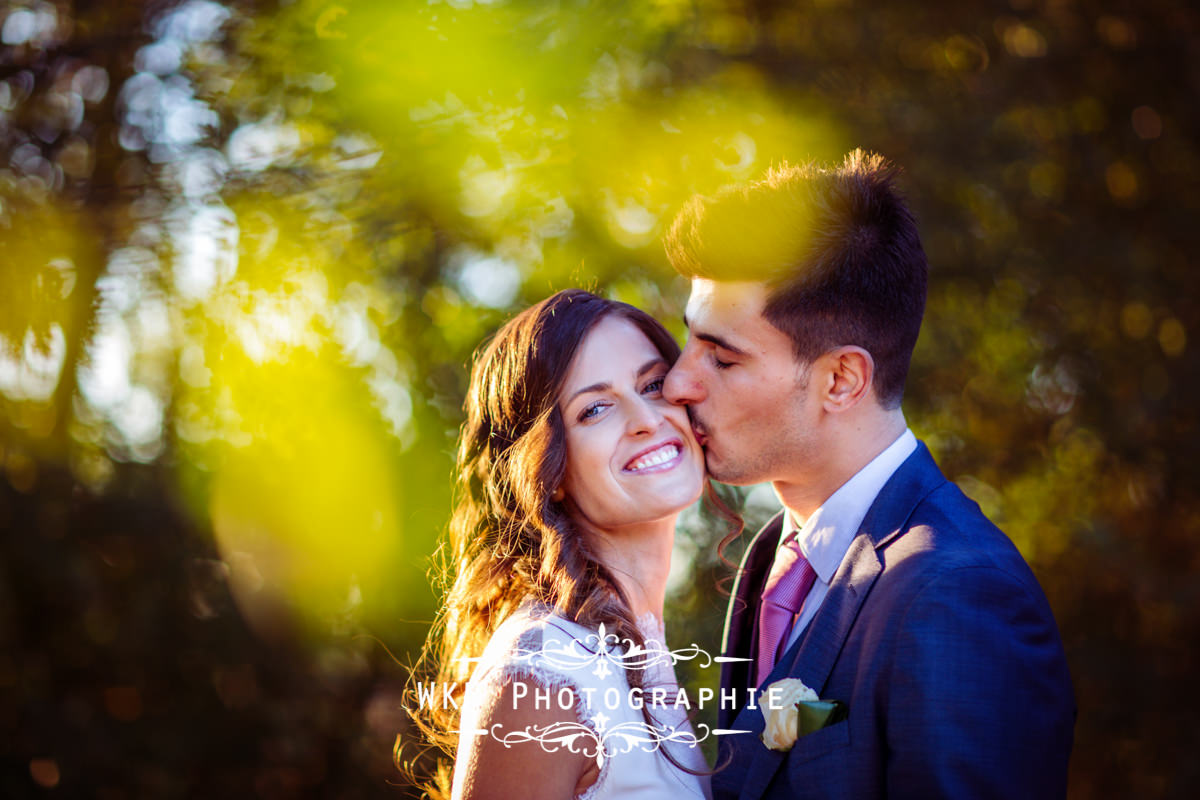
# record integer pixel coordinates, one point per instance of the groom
(880, 584)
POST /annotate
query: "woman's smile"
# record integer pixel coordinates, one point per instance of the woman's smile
(659, 458)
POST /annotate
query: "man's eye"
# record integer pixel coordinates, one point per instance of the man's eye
(719, 364)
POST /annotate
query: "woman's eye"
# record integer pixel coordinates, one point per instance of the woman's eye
(590, 411)
(653, 387)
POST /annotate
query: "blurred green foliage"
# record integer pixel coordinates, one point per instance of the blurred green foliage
(248, 249)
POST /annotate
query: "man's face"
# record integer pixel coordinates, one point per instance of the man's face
(745, 393)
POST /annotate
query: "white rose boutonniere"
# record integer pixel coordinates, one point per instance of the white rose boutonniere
(792, 710)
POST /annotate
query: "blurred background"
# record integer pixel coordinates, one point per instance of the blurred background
(247, 248)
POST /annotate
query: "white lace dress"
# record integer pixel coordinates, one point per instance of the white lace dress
(543, 650)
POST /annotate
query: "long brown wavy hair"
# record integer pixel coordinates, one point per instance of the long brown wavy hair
(508, 540)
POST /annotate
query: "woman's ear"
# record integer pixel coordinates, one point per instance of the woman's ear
(558, 494)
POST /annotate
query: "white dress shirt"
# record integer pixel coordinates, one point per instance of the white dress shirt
(826, 535)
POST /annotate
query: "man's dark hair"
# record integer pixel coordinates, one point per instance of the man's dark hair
(837, 248)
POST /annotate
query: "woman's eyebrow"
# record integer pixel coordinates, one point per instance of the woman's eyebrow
(651, 364)
(604, 386)
(595, 387)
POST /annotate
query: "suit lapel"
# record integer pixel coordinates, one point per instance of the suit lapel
(812, 657)
(741, 613)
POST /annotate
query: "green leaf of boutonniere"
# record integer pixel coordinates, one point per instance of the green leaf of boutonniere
(817, 714)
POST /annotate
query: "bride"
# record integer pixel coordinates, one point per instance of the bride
(572, 470)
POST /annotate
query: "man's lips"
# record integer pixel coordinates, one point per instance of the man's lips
(698, 429)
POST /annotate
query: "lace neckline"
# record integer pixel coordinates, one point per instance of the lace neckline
(651, 628)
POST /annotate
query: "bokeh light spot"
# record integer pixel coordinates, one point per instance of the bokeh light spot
(123, 703)
(1023, 41)
(44, 772)
(1136, 320)
(1147, 124)
(487, 280)
(1116, 32)
(1046, 180)
(1172, 337)
(1122, 182)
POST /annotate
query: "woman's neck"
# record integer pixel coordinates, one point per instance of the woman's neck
(640, 561)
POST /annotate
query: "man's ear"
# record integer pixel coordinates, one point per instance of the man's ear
(849, 371)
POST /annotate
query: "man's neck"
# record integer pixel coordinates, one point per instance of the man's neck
(808, 491)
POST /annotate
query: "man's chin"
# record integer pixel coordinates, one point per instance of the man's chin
(731, 480)
(723, 472)
(718, 471)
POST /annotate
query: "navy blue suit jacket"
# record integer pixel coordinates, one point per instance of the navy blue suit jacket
(939, 640)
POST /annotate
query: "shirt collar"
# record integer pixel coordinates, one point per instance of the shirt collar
(827, 533)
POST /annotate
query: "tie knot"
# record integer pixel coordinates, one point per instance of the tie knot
(790, 578)
(787, 585)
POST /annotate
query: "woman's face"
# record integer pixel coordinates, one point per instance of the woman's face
(631, 456)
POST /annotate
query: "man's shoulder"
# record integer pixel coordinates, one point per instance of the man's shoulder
(948, 532)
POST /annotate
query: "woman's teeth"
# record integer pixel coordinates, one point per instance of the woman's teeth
(652, 459)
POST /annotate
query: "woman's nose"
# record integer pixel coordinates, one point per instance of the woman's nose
(644, 417)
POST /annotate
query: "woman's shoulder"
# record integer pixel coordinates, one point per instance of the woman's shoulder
(536, 642)
(529, 630)
(538, 621)
(539, 645)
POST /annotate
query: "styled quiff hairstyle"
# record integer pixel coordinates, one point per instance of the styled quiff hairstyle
(835, 245)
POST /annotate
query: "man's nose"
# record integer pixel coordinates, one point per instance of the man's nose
(682, 385)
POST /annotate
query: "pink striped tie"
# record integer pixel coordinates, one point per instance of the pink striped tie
(788, 584)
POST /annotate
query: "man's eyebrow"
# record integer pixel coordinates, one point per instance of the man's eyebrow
(712, 338)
